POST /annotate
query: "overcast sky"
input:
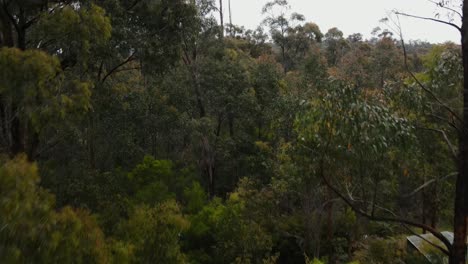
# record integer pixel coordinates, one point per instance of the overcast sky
(353, 16)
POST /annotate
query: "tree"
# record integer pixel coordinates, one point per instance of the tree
(34, 101)
(293, 39)
(335, 46)
(33, 231)
(23, 25)
(387, 61)
(154, 231)
(457, 252)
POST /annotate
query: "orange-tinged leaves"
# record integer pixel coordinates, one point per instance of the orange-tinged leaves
(406, 172)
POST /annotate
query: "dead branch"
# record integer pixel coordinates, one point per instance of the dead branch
(430, 19)
(429, 183)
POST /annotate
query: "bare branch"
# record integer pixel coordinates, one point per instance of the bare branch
(135, 3)
(449, 122)
(430, 19)
(113, 70)
(446, 8)
(429, 183)
(418, 82)
(432, 230)
(450, 145)
(404, 225)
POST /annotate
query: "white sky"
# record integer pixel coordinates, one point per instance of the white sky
(353, 16)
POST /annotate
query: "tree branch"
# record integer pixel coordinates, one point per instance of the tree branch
(414, 233)
(446, 7)
(430, 19)
(418, 82)
(136, 2)
(436, 233)
(113, 70)
(429, 183)
(450, 145)
(449, 122)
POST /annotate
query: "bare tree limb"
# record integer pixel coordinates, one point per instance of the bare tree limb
(429, 183)
(135, 3)
(450, 145)
(418, 82)
(446, 8)
(398, 220)
(430, 19)
(113, 70)
(443, 250)
(449, 122)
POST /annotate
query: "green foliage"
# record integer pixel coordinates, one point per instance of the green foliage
(33, 231)
(345, 121)
(76, 237)
(22, 207)
(178, 145)
(380, 251)
(154, 181)
(74, 34)
(195, 197)
(33, 82)
(154, 233)
(230, 233)
(150, 181)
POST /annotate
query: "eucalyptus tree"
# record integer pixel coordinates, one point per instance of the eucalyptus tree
(458, 19)
(335, 46)
(49, 81)
(456, 251)
(287, 31)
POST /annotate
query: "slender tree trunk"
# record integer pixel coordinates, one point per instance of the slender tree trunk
(309, 228)
(231, 125)
(16, 130)
(17, 137)
(220, 124)
(230, 18)
(424, 211)
(329, 215)
(458, 252)
(434, 206)
(6, 34)
(221, 17)
(33, 145)
(21, 30)
(197, 88)
(283, 57)
(90, 142)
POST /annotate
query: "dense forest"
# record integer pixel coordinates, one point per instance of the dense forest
(154, 131)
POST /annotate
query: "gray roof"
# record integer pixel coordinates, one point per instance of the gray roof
(431, 253)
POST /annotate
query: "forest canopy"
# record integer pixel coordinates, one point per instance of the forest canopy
(153, 131)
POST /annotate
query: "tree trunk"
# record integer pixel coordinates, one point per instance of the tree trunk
(17, 137)
(221, 17)
(33, 144)
(329, 207)
(424, 205)
(6, 34)
(21, 30)
(231, 125)
(458, 252)
(230, 18)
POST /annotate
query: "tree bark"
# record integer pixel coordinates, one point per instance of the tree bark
(17, 135)
(6, 34)
(221, 18)
(458, 252)
(230, 18)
